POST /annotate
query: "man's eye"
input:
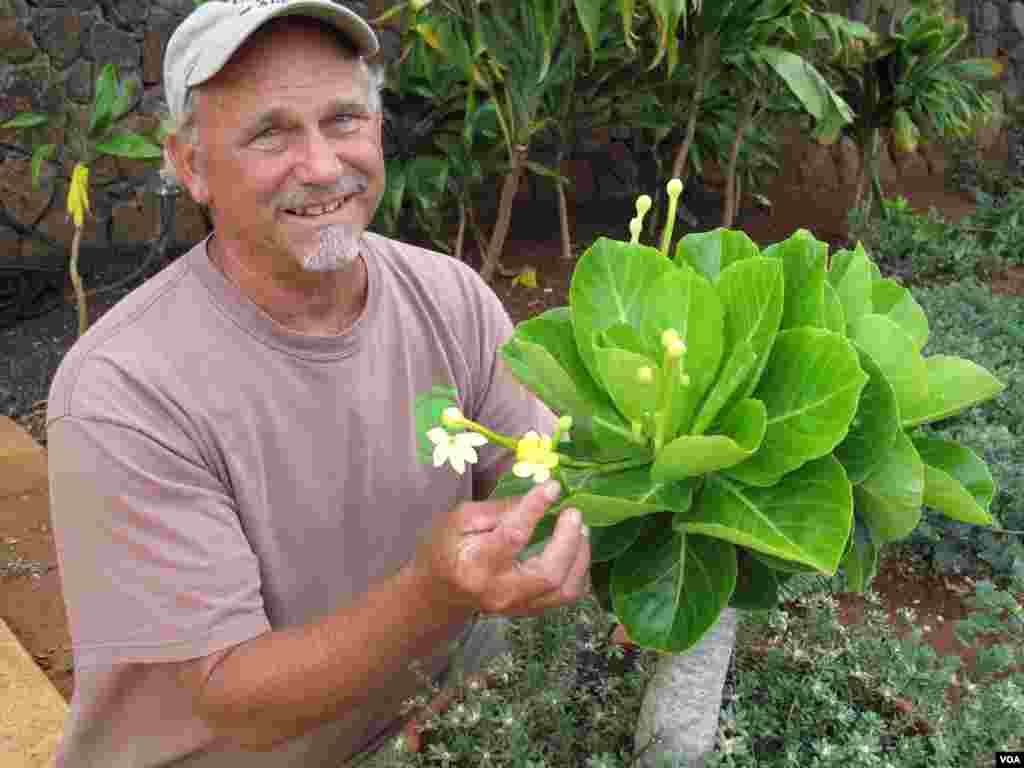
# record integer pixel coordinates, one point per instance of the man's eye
(267, 136)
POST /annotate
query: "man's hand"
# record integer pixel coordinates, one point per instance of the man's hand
(470, 557)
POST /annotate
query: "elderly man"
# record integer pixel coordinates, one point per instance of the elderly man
(254, 564)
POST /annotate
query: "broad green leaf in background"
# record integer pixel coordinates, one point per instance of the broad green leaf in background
(669, 590)
(889, 499)
(130, 145)
(542, 355)
(711, 252)
(428, 409)
(860, 563)
(850, 275)
(875, 426)
(123, 102)
(753, 296)
(773, 520)
(805, 259)
(806, 83)
(895, 353)
(103, 104)
(589, 14)
(954, 384)
(610, 285)
(810, 387)
(891, 299)
(957, 482)
(684, 300)
(738, 435)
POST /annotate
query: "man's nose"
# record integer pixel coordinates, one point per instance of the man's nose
(319, 163)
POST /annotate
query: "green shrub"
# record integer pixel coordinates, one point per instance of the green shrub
(967, 319)
(810, 692)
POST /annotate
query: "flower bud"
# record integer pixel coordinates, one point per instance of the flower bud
(418, 5)
(645, 375)
(668, 336)
(675, 188)
(643, 205)
(452, 417)
(675, 349)
(635, 226)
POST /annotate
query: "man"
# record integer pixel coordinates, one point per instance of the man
(253, 562)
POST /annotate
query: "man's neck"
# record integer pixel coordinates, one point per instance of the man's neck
(327, 306)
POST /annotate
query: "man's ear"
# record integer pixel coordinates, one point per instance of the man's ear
(184, 155)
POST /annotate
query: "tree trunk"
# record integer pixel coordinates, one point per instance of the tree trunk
(736, 199)
(698, 94)
(76, 281)
(563, 220)
(460, 236)
(509, 187)
(731, 202)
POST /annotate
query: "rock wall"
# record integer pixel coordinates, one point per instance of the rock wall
(51, 52)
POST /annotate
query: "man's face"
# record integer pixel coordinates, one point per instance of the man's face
(289, 156)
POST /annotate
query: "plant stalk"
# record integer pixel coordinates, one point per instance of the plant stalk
(460, 236)
(76, 281)
(509, 188)
(743, 120)
(703, 59)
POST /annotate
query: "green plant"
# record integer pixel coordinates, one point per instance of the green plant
(814, 693)
(111, 103)
(720, 402)
(907, 80)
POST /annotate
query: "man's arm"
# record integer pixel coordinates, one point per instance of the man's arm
(280, 685)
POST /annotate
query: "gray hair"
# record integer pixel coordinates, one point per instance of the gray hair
(183, 126)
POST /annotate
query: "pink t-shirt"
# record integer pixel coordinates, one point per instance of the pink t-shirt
(214, 476)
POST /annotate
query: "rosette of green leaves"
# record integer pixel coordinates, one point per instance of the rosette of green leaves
(790, 447)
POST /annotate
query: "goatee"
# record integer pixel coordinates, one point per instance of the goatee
(336, 250)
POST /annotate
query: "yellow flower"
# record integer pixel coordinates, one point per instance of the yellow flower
(78, 194)
(459, 449)
(534, 457)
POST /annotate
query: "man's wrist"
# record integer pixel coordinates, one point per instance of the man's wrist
(435, 601)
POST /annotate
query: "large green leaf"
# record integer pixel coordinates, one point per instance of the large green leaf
(610, 285)
(775, 520)
(810, 387)
(804, 258)
(130, 145)
(753, 297)
(26, 120)
(711, 252)
(618, 372)
(757, 584)
(898, 357)
(957, 482)
(608, 499)
(891, 299)
(850, 275)
(103, 103)
(806, 83)
(860, 563)
(735, 373)
(875, 426)
(832, 316)
(668, 590)
(954, 384)
(542, 355)
(589, 14)
(739, 434)
(685, 301)
(889, 499)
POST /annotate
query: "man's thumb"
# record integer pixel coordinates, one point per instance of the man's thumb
(525, 515)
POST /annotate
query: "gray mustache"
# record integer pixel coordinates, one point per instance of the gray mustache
(310, 195)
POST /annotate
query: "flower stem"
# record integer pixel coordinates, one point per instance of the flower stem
(494, 437)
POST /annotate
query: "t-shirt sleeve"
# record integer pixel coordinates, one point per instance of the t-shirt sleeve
(154, 563)
(503, 404)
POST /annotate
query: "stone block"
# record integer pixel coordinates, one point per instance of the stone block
(989, 17)
(934, 155)
(581, 186)
(135, 221)
(10, 246)
(847, 159)
(16, 44)
(132, 12)
(78, 81)
(189, 223)
(106, 44)
(24, 202)
(681, 707)
(153, 43)
(1017, 15)
(59, 33)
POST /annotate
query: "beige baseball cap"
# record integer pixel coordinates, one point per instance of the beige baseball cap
(209, 36)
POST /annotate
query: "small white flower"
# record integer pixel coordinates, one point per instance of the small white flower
(459, 449)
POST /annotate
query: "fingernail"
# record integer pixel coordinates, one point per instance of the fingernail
(552, 490)
(574, 516)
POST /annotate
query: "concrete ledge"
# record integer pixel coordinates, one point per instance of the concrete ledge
(32, 713)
